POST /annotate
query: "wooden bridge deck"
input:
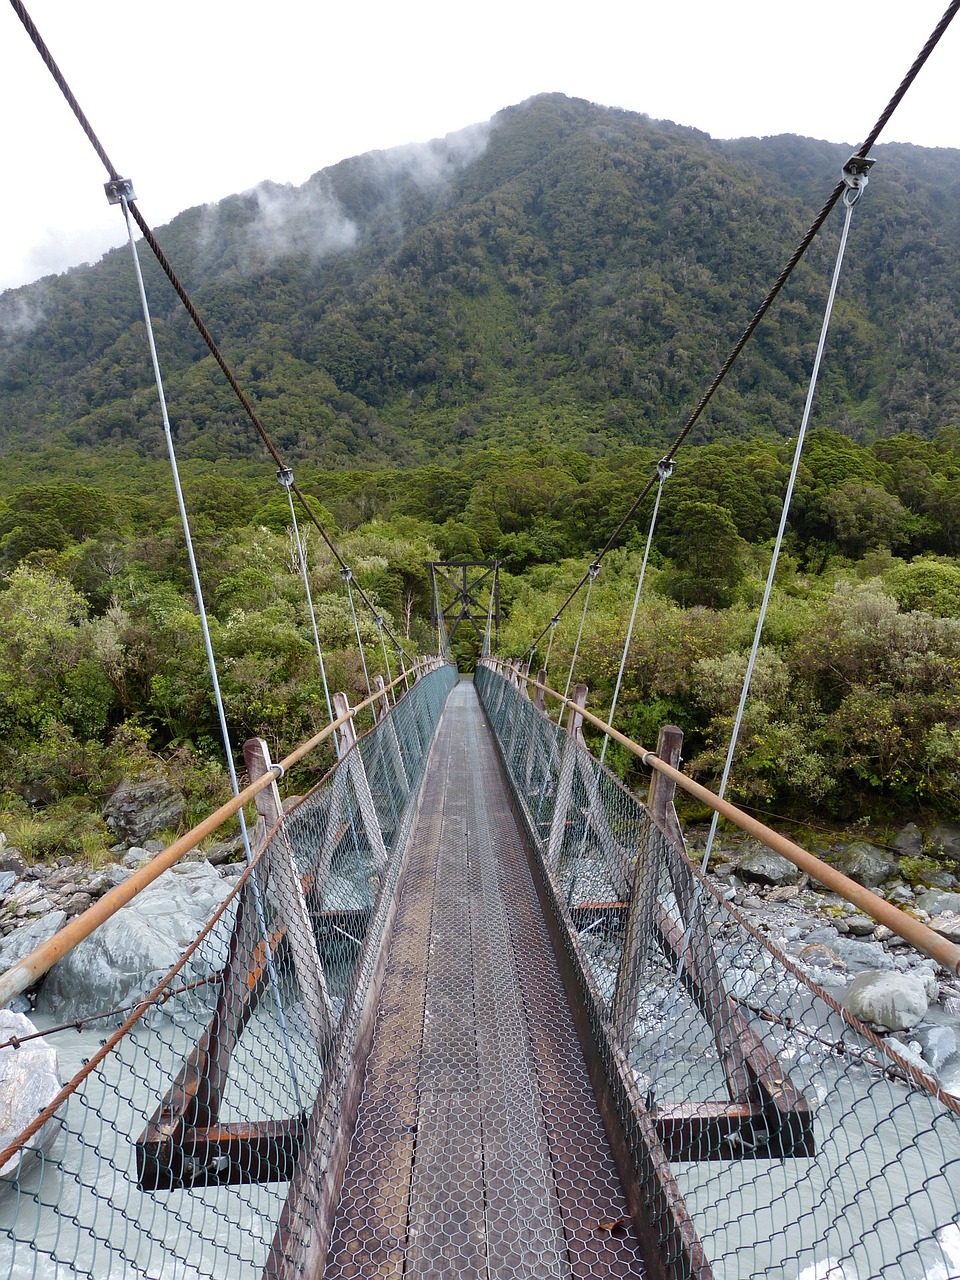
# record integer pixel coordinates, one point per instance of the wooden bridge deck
(478, 1150)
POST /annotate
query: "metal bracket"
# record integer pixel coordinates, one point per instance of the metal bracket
(665, 468)
(119, 189)
(855, 173)
(285, 476)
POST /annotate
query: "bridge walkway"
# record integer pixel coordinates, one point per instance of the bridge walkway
(478, 1150)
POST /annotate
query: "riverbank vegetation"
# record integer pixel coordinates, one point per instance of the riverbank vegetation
(856, 705)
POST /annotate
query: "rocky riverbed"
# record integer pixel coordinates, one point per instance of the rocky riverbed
(899, 992)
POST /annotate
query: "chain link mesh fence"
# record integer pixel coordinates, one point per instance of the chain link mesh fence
(770, 1133)
(198, 1139)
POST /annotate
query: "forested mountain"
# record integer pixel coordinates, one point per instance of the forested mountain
(569, 273)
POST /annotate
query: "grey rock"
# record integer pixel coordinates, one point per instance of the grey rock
(225, 851)
(145, 937)
(911, 1052)
(29, 1081)
(12, 859)
(140, 807)
(892, 1001)
(22, 941)
(76, 903)
(7, 880)
(103, 881)
(764, 867)
(866, 863)
(859, 954)
(861, 926)
(935, 901)
(947, 925)
(937, 1044)
(908, 841)
(945, 837)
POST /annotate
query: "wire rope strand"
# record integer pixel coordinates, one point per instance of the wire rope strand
(784, 514)
(208, 648)
(302, 559)
(594, 570)
(664, 470)
(347, 576)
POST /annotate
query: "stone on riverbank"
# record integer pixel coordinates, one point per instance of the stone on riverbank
(28, 1082)
(892, 1001)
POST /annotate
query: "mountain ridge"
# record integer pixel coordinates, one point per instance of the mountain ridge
(568, 268)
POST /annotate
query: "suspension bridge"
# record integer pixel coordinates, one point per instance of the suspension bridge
(471, 1009)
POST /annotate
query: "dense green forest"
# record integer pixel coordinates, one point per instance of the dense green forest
(478, 350)
(570, 274)
(856, 709)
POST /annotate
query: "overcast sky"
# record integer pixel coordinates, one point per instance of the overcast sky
(196, 99)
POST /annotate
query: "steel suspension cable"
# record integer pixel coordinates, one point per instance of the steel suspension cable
(860, 154)
(302, 559)
(853, 192)
(594, 570)
(347, 576)
(852, 197)
(208, 648)
(148, 235)
(664, 471)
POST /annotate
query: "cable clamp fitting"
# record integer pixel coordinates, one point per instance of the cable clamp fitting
(119, 189)
(855, 175)
(593, 570)
(285, 476)
(665, 468)
(346, 574)
(279, 770)
(378, 621)
(555, 620)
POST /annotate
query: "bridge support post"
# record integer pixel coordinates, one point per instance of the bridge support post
(662, 816)
(284, 873)
(539, 699)
(361, 784)
(568, 762)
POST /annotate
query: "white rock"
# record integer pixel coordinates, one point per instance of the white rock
(144, 938)
(28, 1082)
(894, 1001)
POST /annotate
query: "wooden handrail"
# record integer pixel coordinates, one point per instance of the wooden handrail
(913, 931)
(33, 966)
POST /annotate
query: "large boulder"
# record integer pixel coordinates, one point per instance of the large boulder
(945, 837)
(136, 946)
(908, 842)
(140, 807)
(866, 863)
(29, 1081)
(891, 1001)
(22, 941)
(762, 866)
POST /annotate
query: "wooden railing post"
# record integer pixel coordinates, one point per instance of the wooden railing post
(662, 789)
(540, 701)
(661, 811)
(283, 871)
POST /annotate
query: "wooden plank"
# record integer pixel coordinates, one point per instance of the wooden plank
(446, 1232)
